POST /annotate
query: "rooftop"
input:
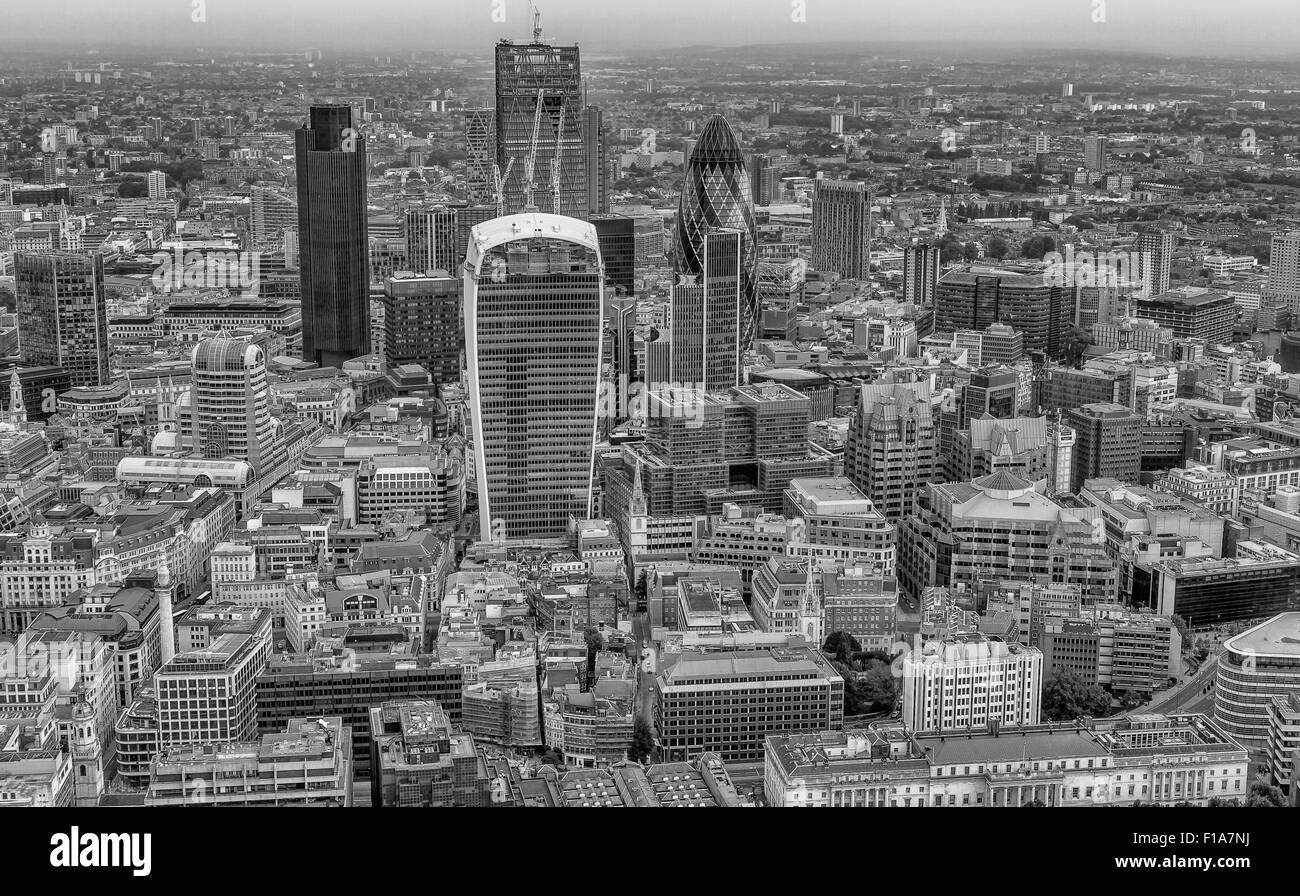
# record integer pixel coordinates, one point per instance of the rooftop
(1279, 636)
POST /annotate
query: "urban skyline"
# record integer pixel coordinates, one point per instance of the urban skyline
(580, 405)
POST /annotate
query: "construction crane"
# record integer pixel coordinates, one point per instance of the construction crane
(555, 164)
(499, 182)
(530, 163)
(537, 23)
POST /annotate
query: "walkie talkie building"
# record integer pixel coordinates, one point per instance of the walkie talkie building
(534, 290)
(716, 196)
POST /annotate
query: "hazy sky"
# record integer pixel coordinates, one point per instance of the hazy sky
(1163, 25)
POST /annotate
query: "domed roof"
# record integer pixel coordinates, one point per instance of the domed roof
(1003, 485)
(717, 145)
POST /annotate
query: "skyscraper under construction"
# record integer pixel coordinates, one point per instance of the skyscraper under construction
(539, 104)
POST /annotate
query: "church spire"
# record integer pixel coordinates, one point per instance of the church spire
(638, 503)
(17, 410)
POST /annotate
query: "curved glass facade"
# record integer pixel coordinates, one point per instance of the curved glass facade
(716, 196)
(534, 292)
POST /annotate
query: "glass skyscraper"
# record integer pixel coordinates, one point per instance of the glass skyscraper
(534, 291)
(716, 196)
(62, 321)
(332, 237)
(230, 401)
(706, 316)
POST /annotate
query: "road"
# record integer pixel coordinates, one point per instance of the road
(1188, 695)
(645, 684)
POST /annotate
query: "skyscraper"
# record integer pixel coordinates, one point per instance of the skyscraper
(920, 273)
(1094, 153)
(230, 404)
(1284, 269)
(715, 196)
(332, 237)
(841, 228)
(1156, 249)
(621, 315)
(593, 135)
(533, 331)
(422, 323)
(431, 243)
(617, 235)
(62, 321)
(705, 342)
(480, 152)
(764, 179)
(157, 185)
(541, 84)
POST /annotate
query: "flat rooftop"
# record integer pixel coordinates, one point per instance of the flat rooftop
(1011, 745)
(1279, 636)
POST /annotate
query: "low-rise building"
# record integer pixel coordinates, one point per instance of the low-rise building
(1283, 749)
(348, 684)
(729, 702)
(1148, 759)
(417, 760)
(309, 764)
(969, 681)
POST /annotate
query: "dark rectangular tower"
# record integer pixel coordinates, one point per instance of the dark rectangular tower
(333, 240)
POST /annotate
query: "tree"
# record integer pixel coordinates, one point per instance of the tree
(641, 587)
(856, 701)
(643, 741)
(950, 248)
(842, 646)
(1265, 795)
(971, 251)
(1218, 802)
(594, 643)
(1037, 246)
(132, 188)
(1033, 804)
(1066, 696)
(879, 685)
(998, 248)
(1073, 342)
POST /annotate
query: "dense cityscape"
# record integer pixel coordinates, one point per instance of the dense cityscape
(529, 425)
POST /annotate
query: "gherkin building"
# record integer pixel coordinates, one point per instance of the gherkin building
(715, 196)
